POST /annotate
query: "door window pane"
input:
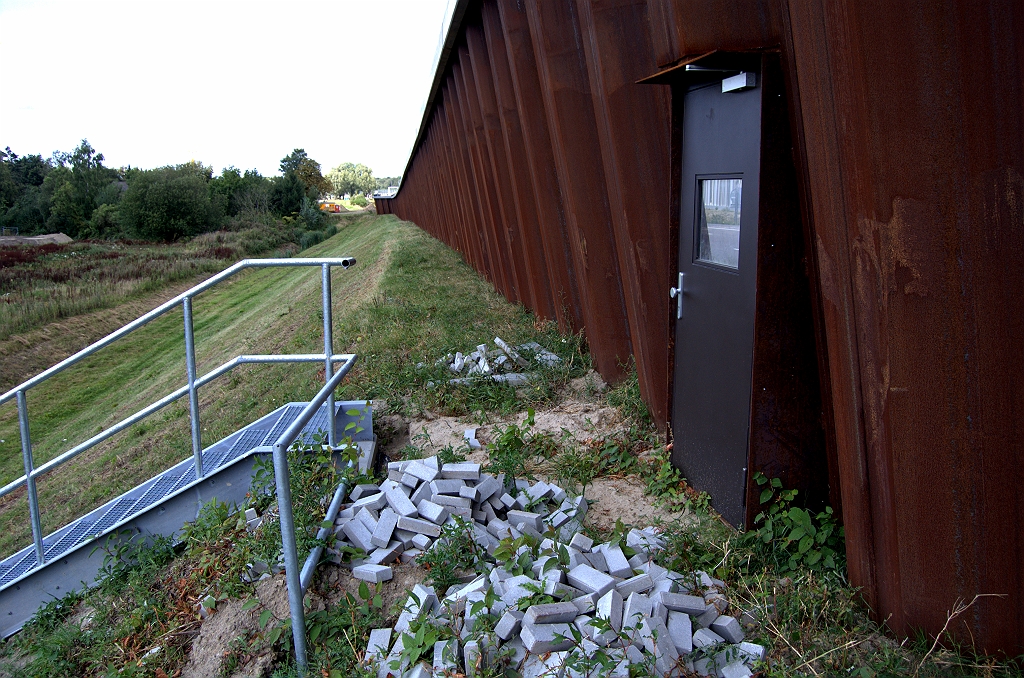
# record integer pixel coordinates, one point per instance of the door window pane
(718, 235)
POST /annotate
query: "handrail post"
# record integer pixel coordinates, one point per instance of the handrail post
(328, 353)
(282, 478)
(193, 394)
(30, 482)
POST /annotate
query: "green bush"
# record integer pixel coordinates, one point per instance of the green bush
(310, 238)
(169, 203)
(359, 200)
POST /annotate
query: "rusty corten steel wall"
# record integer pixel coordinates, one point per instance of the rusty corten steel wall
(543, 163)
(544, 173)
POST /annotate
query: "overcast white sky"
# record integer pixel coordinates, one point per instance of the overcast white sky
(225, 82)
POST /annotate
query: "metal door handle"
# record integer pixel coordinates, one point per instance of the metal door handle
(677, 294)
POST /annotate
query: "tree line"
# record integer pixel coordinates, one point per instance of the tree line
(76, 194)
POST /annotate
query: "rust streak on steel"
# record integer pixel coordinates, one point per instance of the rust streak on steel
(527, 224)
(565, 91)
(633, 130)
(543, 177)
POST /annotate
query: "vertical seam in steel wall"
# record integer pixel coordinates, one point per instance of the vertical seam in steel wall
(557, 49)
(543, 177)
(481, 163)
(636, 223)
(527, 225)
(481, 63)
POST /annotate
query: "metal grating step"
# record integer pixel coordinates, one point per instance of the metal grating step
(248, 440)
(290, 414)
(26, 563)
(73, 537)
(118, 511)
(265, 431)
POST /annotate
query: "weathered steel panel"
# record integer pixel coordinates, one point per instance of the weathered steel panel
(914, 180)
(543, 177)
(524, 219)
(687, 27)
(906, 122)
(633, 129)
(565, 90)
(499, 174)
(485, 185)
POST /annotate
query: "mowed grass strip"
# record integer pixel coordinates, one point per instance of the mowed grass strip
(409, 300)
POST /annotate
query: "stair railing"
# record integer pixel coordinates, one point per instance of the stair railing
(332, 379)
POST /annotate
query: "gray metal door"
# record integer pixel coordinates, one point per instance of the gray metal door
(717, 259)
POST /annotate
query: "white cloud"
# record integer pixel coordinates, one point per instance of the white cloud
(242, 83)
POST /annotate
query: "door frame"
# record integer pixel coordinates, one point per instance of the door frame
(816, 476)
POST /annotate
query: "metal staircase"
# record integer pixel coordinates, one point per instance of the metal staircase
(68, 558)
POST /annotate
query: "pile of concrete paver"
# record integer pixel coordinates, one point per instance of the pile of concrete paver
(502, 364)
(609, 612)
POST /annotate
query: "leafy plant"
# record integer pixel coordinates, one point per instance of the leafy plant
(577, 465)
(511, 450)
(789, 537)
(454, 551)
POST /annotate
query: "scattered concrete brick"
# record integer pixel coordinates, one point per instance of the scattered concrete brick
(461, 471)
(386, 554)
(446, 656)
(421, 493)
(420, 670)
(435, 513)
(452, 501)
(534, 520)
(735, 670)
(609, 607)
(590, 580)
(422, 471)
(728, 628)
(377, 647)
(385, 527)
(709, 616)
(372, 573)
(401, 504)
(616, 562)
(681, 631)
(597, 561)
(550, 613)
(358, 535)
(540, 638)
(419, 526)
(680, 602)
(658, 641)
(509, 624)
(581, 542)
(447, 486)
(703, 638)
(752, 652)
(545, 666)
(472, 658)
(641, 583)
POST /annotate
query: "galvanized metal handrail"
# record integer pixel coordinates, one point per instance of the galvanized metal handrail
(282, 477)
(194, 381)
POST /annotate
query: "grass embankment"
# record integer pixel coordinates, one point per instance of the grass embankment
(410, 299)
(44, 283)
